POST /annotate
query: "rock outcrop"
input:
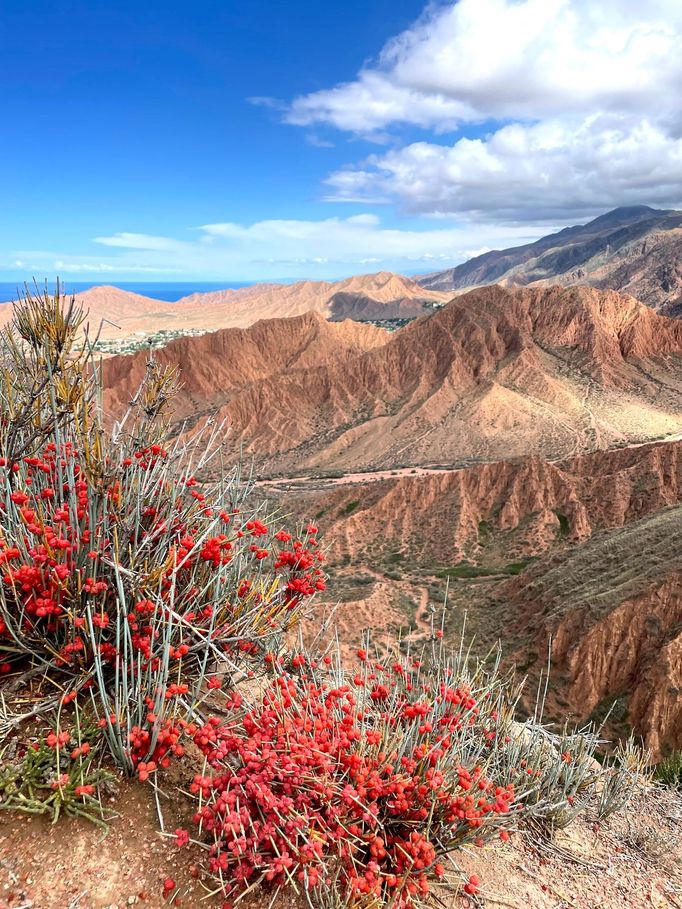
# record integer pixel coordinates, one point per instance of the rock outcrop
(612, 610)
(446, 516)
(217, 365)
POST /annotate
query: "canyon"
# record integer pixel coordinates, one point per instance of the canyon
(578, 560)
(516, 451)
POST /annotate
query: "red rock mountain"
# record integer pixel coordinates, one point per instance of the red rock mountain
(219, 364)
(496, 373)
(382, 295)
(612, 610)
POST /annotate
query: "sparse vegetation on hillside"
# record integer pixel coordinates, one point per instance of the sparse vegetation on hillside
(467, 570)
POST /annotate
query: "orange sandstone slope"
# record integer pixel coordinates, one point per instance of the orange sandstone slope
(217, 365)
(496, 373)
(382, 295)
(530, 505)
(116, 313)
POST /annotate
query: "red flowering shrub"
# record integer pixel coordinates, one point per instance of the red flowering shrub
(121, 574)
(364, 783)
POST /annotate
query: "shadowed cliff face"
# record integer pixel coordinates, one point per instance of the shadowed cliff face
(612, 610)
(636, 250)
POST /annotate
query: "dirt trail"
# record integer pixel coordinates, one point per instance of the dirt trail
(373, 476)
(422, 619)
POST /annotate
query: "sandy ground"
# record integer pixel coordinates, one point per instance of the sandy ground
(632, 860)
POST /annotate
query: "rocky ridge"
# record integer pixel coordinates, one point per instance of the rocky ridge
(635, 249)
(493, 374)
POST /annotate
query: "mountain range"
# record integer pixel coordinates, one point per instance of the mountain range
(119, 314)
(635, 249)
(495, 373)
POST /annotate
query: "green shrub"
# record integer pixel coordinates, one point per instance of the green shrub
(669, 770)
(350, 507)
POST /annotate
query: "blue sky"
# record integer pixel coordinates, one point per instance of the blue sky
(237, 141)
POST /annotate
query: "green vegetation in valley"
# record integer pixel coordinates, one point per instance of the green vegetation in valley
(468, 570)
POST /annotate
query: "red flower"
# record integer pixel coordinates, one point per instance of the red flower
(181, 837)
(84, 790)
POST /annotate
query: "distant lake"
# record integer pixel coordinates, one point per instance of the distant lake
(166, 290)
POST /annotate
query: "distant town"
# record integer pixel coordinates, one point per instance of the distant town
(144, 340)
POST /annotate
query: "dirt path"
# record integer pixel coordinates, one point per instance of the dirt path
(374, 476)
(422, 619)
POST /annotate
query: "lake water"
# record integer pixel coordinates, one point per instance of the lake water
(170, 291)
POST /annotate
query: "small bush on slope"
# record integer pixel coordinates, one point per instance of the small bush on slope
(669, 770)
(55, 773)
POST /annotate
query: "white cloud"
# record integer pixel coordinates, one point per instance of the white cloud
(563, 108)
(499, 59)
(552, 170)
(327, 248)
(374, 102)
(265, 101)
(70, 267)
(136, 241)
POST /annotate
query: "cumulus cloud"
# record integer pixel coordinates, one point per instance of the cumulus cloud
(480, 59)
(550, 171)
(561, 109)
(326, 248)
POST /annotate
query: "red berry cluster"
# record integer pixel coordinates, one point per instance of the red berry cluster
(370, 778)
